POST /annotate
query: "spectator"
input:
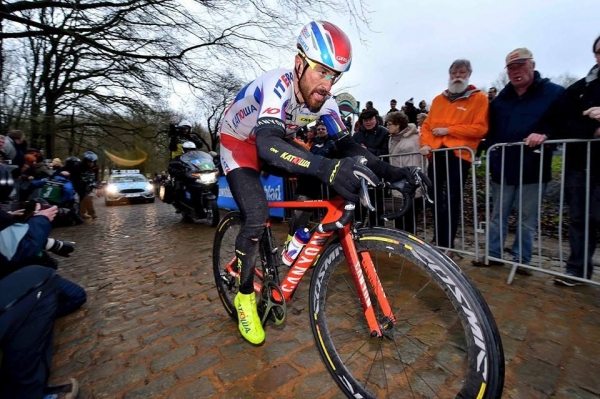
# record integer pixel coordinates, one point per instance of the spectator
(457, 118)
(14, 147)
(393, 108)
(404, 151)
(357, 126)
(89, 176)
(311, 132)
(56, 164)
(521, 112)
(579, 97)
(33, 175)
(369, 107)
(423, 107)
(348, 123)
(371, 135)
(302, 138)
(323, 145)
(420, 120)
(24, 243)
(411, 111)
(28, 306)
(492, 92)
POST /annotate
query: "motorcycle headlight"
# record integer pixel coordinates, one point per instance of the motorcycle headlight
(112, 189)
(208, 178)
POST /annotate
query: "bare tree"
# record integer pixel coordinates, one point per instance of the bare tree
(565, 79)
(214, 104)
(102, 57)
(501, 81)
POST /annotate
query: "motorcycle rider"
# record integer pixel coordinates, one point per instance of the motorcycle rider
(180, 135)
(178, 171)
(257, 130)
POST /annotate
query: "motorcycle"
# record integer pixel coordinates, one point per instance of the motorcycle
(192, 187)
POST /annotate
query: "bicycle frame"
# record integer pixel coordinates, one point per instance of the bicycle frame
(361, 265)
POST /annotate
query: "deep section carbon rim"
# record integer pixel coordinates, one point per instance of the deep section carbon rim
(443, 344)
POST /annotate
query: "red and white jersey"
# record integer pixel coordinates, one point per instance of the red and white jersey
(269, 96)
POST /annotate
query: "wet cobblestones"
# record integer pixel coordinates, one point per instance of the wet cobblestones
(154, 327)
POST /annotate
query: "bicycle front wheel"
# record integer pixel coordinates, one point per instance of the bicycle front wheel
(444, 342)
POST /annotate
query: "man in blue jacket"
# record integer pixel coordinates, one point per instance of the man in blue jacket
(523, 112)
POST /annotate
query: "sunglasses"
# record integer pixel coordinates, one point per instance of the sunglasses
(324, 73)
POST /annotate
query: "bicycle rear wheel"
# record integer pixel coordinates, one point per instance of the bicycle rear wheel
(225, 268)
(224, 261)
(443, 344)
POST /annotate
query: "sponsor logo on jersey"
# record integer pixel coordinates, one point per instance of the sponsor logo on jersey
(271, 111)
(242, 113)
(305, 163)
(270, 121)
(307, 119)
(283, 83)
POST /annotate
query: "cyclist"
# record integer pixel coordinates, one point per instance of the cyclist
(257, 131)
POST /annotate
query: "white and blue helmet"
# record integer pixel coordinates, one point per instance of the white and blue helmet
(325, 43)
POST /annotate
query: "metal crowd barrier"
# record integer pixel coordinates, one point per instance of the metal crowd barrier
(550, 247)
(468, 235)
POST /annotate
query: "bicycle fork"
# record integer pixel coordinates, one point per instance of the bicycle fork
(363, 271)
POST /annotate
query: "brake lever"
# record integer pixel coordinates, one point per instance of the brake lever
(364, 195)
(420, 183)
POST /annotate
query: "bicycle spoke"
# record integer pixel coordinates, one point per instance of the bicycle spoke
(421, 347)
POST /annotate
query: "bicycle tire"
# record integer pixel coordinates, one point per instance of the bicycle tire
(445, 342)
(224, 251)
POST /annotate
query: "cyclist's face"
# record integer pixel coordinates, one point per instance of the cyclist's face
(315, 85)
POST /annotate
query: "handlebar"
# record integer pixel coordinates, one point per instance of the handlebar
(405, 187)
(408, 192)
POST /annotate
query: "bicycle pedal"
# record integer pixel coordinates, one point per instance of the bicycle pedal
(278, 314)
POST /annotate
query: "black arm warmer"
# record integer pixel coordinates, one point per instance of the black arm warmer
(350, 148)
(274, 150)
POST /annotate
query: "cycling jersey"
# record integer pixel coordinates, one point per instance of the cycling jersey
(269, 101)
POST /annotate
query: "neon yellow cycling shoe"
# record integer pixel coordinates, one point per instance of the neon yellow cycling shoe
(248, 320)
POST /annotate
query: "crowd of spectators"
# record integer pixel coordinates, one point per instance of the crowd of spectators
(530, 110)
(35, 193)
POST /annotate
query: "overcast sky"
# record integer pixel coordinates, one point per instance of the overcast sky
(414, 43)
(411, 44)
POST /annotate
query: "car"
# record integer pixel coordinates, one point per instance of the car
(127, 186)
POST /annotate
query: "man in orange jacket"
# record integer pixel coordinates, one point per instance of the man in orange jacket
(458, 117)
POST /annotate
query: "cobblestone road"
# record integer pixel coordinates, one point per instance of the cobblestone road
(153, 326)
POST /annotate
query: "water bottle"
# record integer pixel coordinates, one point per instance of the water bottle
(295, 245)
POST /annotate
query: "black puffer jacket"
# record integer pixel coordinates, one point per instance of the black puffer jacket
(581, 95)
(376, 140)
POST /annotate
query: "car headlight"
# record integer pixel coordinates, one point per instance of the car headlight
(112, 189)
(208, 178)
(149, 187)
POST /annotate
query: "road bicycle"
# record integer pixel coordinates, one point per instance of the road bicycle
(390, 314)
